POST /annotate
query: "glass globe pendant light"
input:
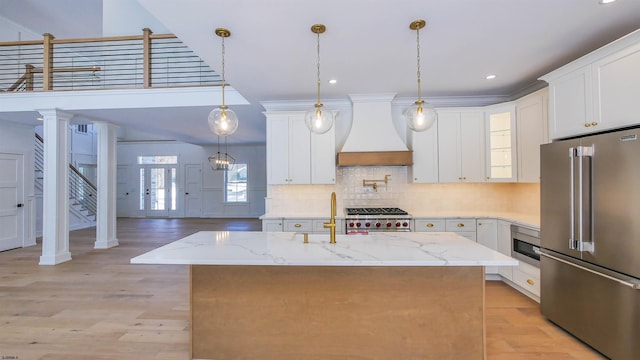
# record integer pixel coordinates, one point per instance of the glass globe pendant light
(420, 116)
(318, 120)
(222, 120)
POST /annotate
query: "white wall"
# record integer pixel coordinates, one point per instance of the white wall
(18, 139)
(212, 199)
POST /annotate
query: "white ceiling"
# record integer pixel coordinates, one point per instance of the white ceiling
(368, 46)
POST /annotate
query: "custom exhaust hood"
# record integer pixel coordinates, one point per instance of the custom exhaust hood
(373, 140)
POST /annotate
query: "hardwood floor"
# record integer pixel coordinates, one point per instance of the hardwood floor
(98, 306)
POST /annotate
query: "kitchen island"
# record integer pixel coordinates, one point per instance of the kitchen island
(269, 295)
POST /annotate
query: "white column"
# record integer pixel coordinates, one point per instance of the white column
(107, 169)
(55, 213)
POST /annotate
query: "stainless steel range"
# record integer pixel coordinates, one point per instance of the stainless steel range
(365, 220)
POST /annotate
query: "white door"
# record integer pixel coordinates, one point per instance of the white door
(11, 201)
(193, 190)
(157, 190)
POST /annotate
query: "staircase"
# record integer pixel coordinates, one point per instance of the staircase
(83, 195)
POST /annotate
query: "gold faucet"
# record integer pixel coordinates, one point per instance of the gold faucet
(332, 222)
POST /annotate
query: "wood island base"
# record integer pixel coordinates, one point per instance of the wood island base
(337, 312)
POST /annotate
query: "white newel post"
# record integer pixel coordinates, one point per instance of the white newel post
(107, 168)
(55, 214)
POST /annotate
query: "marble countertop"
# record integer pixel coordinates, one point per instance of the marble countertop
(287, 248)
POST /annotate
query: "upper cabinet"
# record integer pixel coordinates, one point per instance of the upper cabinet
(461, 145)
(599, 91)
(531, 122)
(425, 156)
(294, 155)
(500, 125)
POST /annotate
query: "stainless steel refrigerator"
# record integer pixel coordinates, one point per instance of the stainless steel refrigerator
(590, 240)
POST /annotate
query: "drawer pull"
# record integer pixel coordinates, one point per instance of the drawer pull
(429, 225)
(587, 125)
(298, 225)
(530, 282)
(460, 225)
(594, 123)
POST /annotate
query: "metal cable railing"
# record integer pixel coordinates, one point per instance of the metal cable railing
(81, 189)
(102, 63)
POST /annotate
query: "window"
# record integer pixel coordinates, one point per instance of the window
(144, 160)
(235, 181)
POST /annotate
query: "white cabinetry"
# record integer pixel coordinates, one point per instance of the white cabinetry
(527, 277)
(504, 247)
(294, 155)
(616, 83)
(323, 157)
(571, 104)
(462, 226)
(425, 156)
(272, 225)
(298, 225)
(596, 92)
(487, 235)
(302, 225)
(429, 225)
(461, 146)
(531, 125)
(500, 140)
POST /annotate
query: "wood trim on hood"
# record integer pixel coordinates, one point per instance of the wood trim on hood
(372, 158)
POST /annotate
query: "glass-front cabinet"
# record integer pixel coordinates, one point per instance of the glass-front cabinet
(501, 143)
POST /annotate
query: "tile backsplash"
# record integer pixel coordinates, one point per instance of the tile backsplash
(397, 192)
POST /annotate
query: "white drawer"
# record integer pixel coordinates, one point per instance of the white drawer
(527, 281)
(298, 225)
(429, 225)
(461, 225)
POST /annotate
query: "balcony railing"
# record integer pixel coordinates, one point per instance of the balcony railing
(124, 62)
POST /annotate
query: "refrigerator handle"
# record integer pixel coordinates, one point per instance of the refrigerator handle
(583, 152)
(630, 284)
(572, 207)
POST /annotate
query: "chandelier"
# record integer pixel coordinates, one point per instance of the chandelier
(220, 161)
(420, 116)
(222, 120)
(317, 120)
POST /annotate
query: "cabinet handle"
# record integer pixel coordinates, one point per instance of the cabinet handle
(298, 225)
(464, 178)
(530, 282)
(460, 225)
(459, 178)
(587, 124)
(429, 225)
(594, 123)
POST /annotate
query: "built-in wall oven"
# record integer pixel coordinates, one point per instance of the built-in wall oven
(374, 219)
(525, 245)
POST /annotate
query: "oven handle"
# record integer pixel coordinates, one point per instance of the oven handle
(630, 284)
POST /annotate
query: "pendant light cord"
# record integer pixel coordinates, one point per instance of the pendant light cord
(223, 78)
(418, 58)
(318, 64)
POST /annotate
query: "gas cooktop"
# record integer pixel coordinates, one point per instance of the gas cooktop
(386, 211)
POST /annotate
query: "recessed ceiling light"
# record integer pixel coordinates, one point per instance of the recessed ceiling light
(333, 81)
(604, 2)
(490, 77)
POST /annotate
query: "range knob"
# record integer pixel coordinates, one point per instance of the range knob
(398, 224)
(368, 224)
(358, 224)
(388, 224)
(405, 224)
(351, 224)
(378, 224)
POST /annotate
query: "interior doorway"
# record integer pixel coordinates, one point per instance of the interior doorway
(11, 201)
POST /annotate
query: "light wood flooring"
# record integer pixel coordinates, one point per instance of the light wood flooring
(98, 306)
